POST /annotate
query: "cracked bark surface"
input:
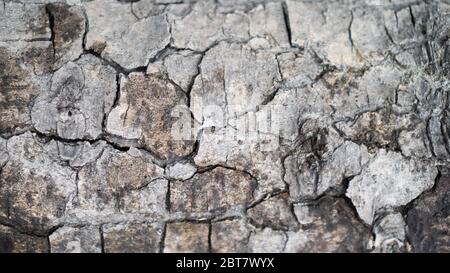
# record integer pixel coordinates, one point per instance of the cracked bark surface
(328, 131)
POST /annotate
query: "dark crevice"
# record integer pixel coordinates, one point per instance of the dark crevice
(389, 35)
(86, 29)
(35, 232)
(292, 211)
(49, 137)
(115, 104)
(117, 97)
(192, 82)
(162, 241)
(113, 64)
(411, 14)
(225, 218)
(49, 245)
(193, 220)
(209, 237)
(28, 40)
(268, 99)
(265, 197)
(51, 20)
(430, 140)
(287, 23)
(350, 29)
(168, 203)
(102, 239)
(212, 167)
(444, 133)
